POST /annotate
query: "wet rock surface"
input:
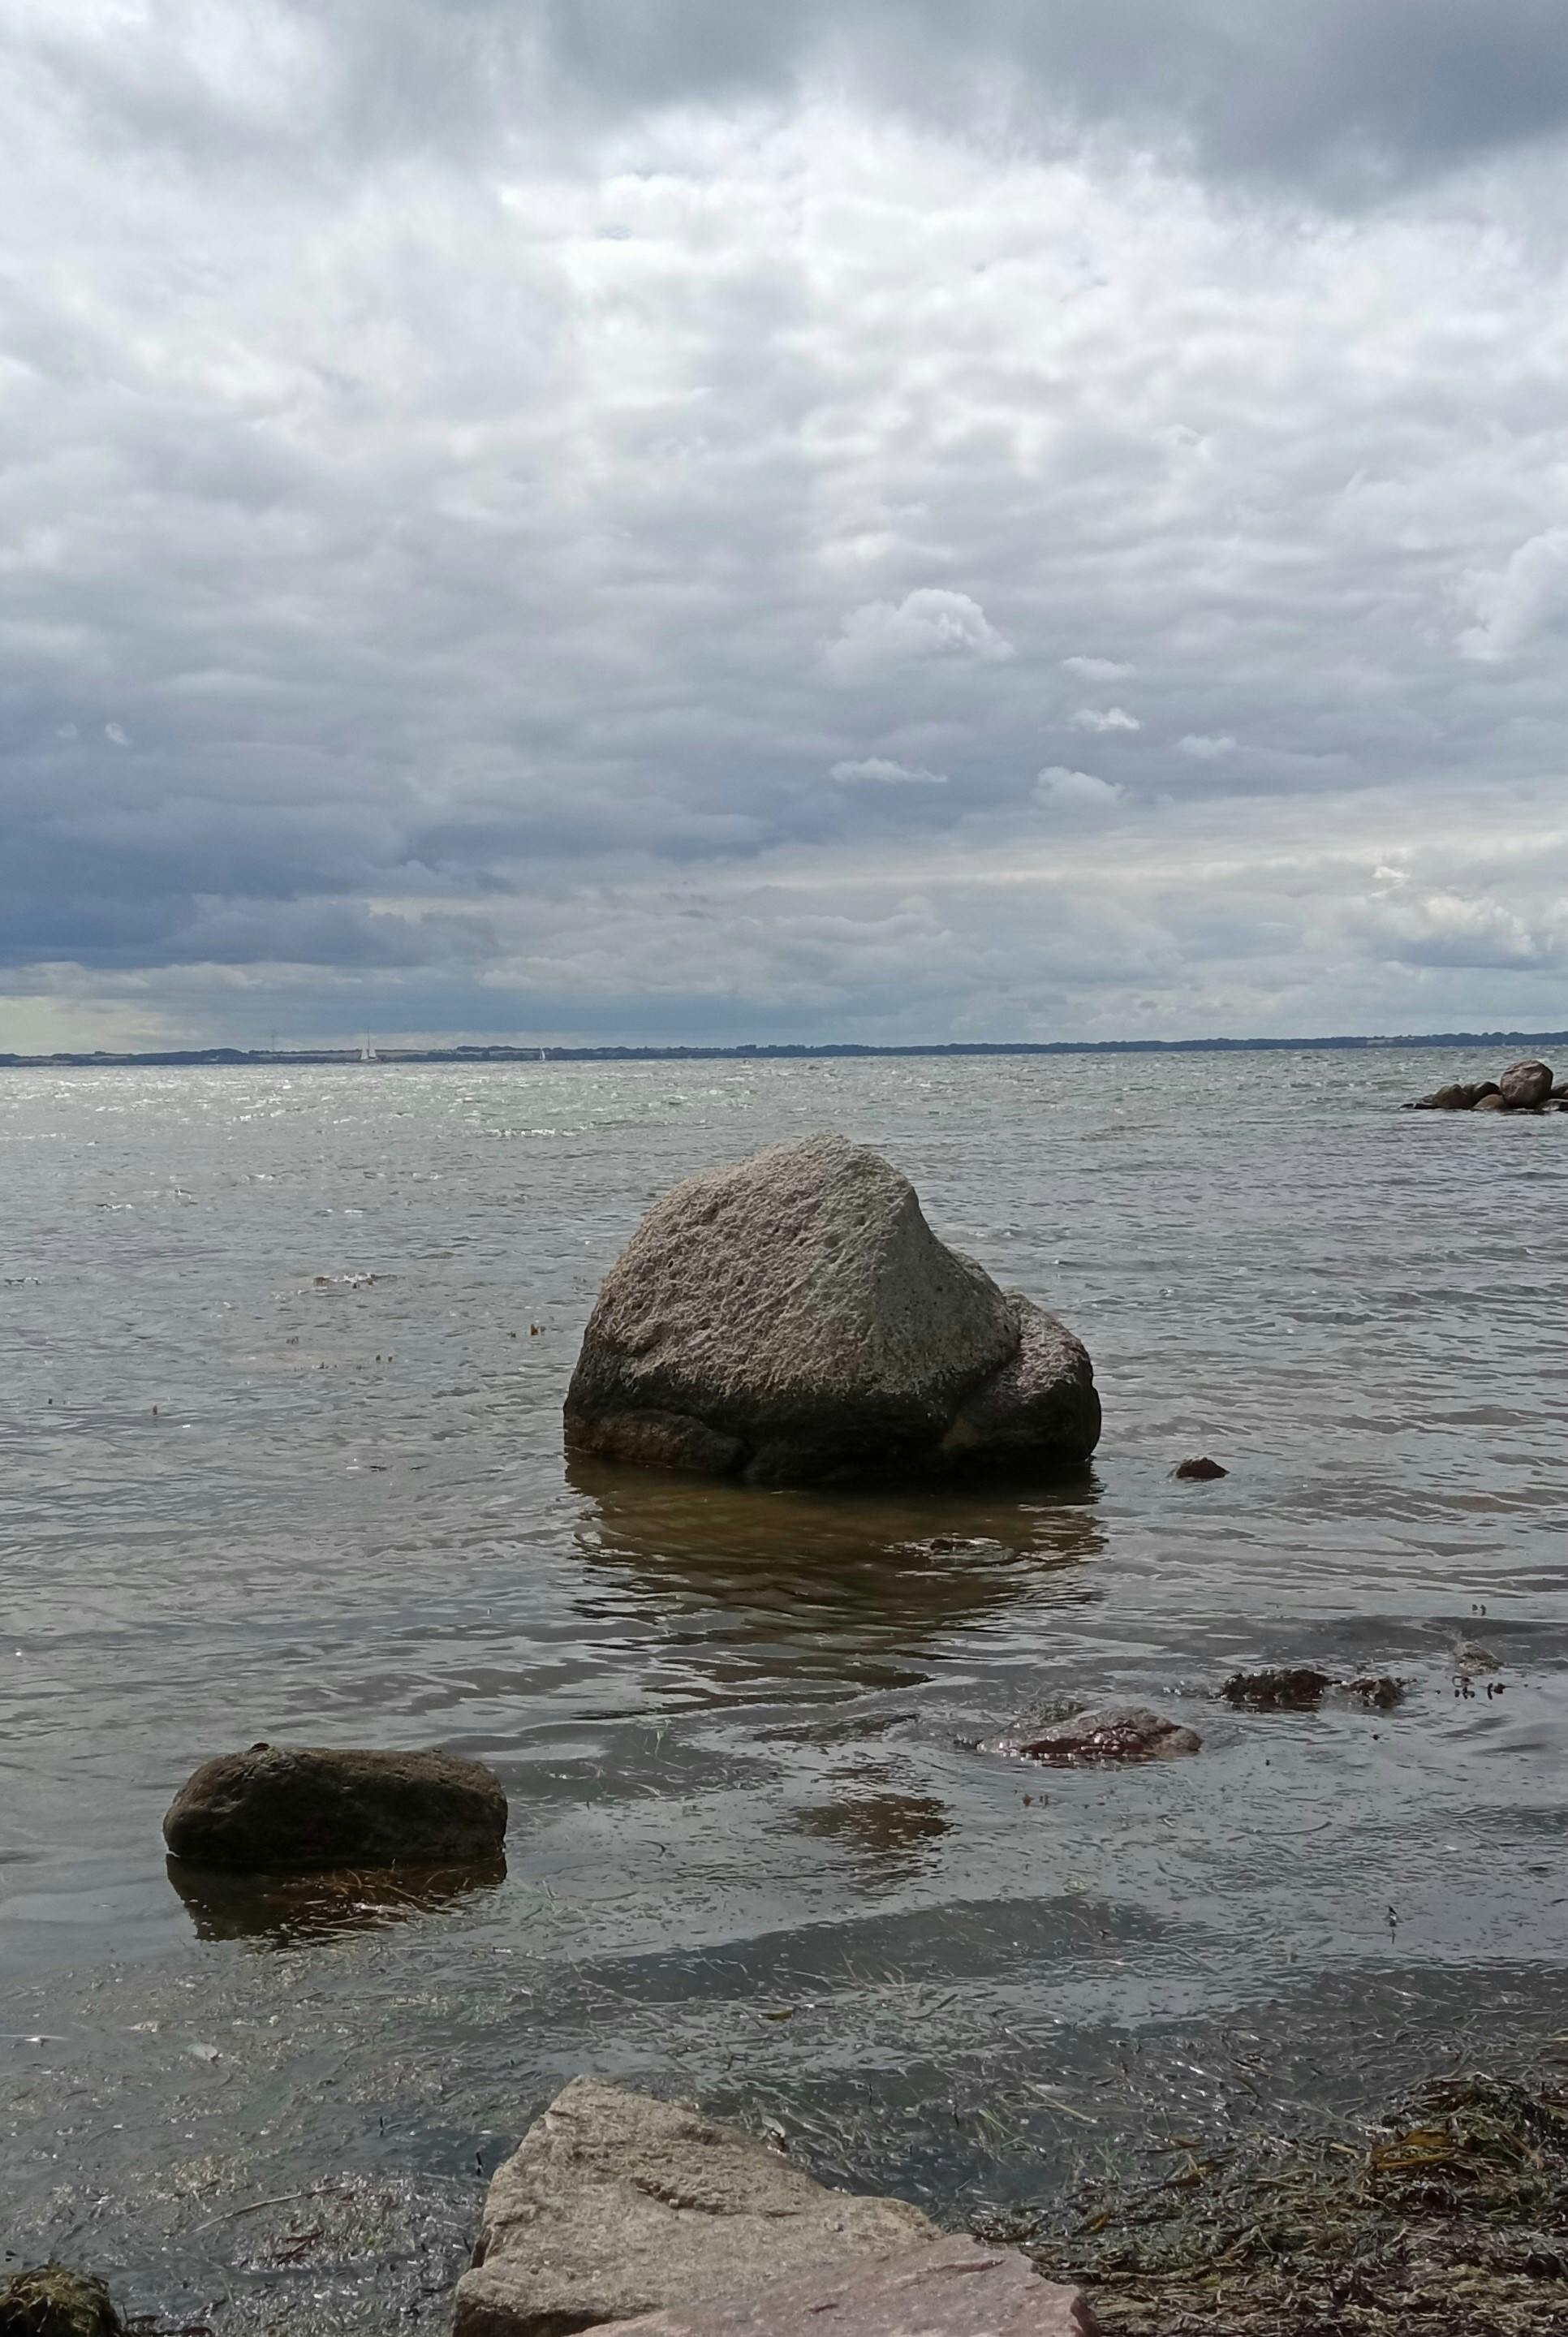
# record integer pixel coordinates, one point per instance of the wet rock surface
(616, 2206)
(946, 2288)
(792, 1318)
(1526, 1085)
(1378, 1689)
(278, 1809)
(1300, 1687)
(1460, 1096)
(1201, 1470)
(1283, 1688)
(1103, 1735)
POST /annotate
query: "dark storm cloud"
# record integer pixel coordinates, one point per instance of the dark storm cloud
(665, 517)
(1348, 91)
(1349, 97)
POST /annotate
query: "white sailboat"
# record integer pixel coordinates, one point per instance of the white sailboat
(367, 1053)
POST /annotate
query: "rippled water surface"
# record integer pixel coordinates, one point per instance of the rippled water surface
(283, 1361)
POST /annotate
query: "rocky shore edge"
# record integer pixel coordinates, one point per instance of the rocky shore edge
(622, 2212)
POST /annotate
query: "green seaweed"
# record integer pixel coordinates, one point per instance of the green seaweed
(1449, 2219)
(52, 2301)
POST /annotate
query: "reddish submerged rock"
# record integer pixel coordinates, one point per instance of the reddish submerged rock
(1104, 1734)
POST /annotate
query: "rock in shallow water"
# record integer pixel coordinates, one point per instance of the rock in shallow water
(793, 1317)
(1461, 1096)
(1526, 1085)
(1106, 1733)
(1283, 1688)
(616, 2206)
(1298, 1688)
(292, 1810)
(1200, 1470)
(947, 2288)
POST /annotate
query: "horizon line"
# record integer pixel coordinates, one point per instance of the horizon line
(512, 1051)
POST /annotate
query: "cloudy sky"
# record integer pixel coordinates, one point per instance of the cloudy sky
(657, 519)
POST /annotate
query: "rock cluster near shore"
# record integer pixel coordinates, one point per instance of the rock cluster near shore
(616, 2206)
(1523, 1087)
(794, 1318)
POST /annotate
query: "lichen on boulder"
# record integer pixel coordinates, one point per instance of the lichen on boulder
(792, 1317)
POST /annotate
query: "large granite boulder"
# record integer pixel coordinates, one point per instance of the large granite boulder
(288, 1810)
(941, 2288)
(793, 1317)
(1525, 1086)
(615, 2205)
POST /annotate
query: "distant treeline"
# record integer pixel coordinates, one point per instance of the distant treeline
(833, 1050)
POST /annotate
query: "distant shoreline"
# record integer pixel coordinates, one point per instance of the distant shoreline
(266, 1058)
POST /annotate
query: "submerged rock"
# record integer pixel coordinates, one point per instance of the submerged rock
(1105, 1733)
(1201, 1469)
(942, 2288)
(616, 2206)
(793, 1317)
(51, 2302)
(1294, 1688)
(1526, 1085)
(1299, 1688)
(1378, 1689)
(288, 1810)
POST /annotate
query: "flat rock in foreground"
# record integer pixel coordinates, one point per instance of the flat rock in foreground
(793, 1317)
(616, 2206)
(280, 1809)
(944, 2288)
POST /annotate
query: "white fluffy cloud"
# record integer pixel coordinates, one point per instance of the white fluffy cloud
(463, 494)
(1522, 604)
(1102, 719)
(1205, 747)
(925, 624)
(881, 772)
(1081, 791)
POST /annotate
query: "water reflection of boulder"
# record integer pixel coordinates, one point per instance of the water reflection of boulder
(284, 1910)
(889, 1833)
(829, 1585)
